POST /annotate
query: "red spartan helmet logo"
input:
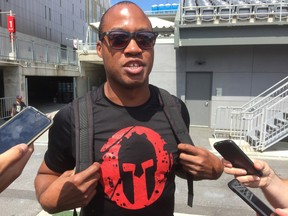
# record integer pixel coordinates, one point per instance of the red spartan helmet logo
(134, 168)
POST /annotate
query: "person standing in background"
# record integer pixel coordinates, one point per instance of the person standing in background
(17, 106)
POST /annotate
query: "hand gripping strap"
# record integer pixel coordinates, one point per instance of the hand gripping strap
(180, 130)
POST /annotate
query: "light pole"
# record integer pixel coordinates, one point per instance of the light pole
(11, 27)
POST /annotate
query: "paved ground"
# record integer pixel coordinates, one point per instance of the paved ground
(211, 197)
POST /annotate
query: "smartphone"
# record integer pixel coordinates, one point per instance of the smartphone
(231, 152)
(25, 127)
(251, 199)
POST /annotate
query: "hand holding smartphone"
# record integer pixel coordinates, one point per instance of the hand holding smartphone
(231, 152)
(25, 127)
(251, 199)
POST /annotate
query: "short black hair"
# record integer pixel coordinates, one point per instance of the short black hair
(101, 25)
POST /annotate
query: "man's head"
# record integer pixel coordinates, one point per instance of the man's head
(126, 45)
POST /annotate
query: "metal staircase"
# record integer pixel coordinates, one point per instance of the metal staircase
(261, 122)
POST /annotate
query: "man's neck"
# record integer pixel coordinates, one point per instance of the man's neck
(127, 96)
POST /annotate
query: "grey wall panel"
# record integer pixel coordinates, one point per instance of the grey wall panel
(241, 72)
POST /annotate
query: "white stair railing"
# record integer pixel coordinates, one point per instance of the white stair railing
(271, 125)
(267, 95)
(254, 119)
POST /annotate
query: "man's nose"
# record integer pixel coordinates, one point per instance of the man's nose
(133, 47)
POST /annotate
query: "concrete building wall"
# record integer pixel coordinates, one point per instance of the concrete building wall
(240, 72)
(59, 21)
(11, 81)
(164, 70)
(51, 24)
(50, 20)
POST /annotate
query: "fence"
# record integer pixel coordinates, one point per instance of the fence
(231, 11)
(36, 51)
(6, 106)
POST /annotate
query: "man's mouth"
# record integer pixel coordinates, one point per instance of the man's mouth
(134, 65)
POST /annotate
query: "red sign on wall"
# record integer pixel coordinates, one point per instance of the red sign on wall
(11, 24)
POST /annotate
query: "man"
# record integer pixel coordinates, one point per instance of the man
(17, 106)
(12, 163)
(274, 188)
(134, 145)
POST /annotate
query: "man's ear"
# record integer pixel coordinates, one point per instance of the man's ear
(99, 48)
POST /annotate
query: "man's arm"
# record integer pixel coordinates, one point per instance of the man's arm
(12, 163)
(58, 192)
(200, 162)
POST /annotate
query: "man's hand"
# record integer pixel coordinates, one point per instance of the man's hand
(12, 163)
(199, 162)
(67, 191)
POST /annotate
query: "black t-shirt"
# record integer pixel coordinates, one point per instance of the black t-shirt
(137, 151)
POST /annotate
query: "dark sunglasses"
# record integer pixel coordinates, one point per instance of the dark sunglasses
(120, 39)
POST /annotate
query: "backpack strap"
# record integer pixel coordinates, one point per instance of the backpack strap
(83, 115)
(179, 128)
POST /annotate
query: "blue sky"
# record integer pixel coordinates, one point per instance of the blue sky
(146, 4)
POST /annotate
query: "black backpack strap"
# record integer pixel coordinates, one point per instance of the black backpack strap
(83, 114)
(179, 128)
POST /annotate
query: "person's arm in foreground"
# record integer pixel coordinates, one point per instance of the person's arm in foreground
(58, 192)
(12, 163)
(200, 162)
(281, 212)
(274, 188)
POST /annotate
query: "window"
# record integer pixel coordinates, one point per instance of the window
(50, 14)
(0, 18)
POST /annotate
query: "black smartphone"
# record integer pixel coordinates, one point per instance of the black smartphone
(232, 152)
(251, 199)
(25, 127)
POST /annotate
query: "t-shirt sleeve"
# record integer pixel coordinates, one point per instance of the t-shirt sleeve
(60, 155)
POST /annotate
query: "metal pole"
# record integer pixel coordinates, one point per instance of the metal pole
(12, 40)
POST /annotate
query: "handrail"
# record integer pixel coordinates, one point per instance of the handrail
(6, 106)
(250, 122)
(267, 93)
(239, 11)
(36, 52)
(269, 116)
